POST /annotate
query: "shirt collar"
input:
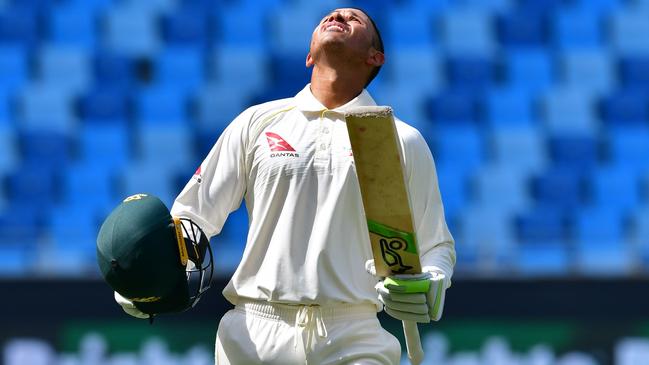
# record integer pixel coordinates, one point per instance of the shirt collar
(306, 102)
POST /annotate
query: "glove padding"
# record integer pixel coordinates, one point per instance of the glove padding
(129, 307)
(417, 298)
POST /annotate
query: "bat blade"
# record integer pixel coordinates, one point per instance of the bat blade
(379, 166)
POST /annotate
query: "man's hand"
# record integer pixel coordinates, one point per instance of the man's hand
(129, 307)
(418, 298)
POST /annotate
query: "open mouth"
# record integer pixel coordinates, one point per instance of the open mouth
(334, 27)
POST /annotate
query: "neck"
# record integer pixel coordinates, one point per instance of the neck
(333, 87)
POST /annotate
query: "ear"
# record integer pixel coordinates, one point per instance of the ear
(375, 58)
(309, 60)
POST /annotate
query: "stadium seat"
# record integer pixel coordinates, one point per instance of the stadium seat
(246, 67)
(289, 74)
(188, 25)
(168, 145)
(576, 28)
(551, 259)
(48, 149)
(453, 107)
(46, 107)
(508, 107)
(242, 24)
(14, 67)
(67, 67)
(131, 30)
(529, 69)
(180, 67)
(293, 37)
(34, 186)
(629, 147)
(522, 149)
(522, 29)
(74, 26)
(470, 73)
(420, 69)
(467, 33)
(453, 185)
(113, 70)
(634, 73)
(19, 26)
(15, 261)
(408, 106)
(217, 104)
(569, 111)
(500, 187)
(543, 225)
(105, 144)
(9, 152)
(590, 71)
(89, 186)
(459, 146)
(615, 188)
(575, 152)
(104, 104)
(161, 104)
(408, 28)
(625, 107)
(558, 188)
(626, 24)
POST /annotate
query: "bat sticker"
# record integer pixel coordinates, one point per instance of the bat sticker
(390, 253)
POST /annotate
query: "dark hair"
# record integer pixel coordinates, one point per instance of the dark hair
(377, 43)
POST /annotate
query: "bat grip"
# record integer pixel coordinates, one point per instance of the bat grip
(413, 342)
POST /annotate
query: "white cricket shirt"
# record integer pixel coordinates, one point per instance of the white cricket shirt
(307, 242)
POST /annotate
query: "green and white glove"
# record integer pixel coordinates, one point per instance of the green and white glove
(417, 298)
(129, 307)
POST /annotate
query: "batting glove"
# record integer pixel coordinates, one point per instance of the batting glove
(417, 298)
(129, 307)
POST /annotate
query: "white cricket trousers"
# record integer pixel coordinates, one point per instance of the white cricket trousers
(263, 333)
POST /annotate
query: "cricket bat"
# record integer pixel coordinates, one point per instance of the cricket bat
(381, 177)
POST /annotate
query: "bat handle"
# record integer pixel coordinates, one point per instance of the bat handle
(413, 342)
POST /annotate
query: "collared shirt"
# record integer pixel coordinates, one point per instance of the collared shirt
(307, 241)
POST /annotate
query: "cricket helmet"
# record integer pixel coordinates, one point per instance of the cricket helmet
(161, 263)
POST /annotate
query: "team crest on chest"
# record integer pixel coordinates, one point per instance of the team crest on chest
(279, 147)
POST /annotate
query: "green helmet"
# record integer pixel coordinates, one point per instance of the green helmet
(161, 263)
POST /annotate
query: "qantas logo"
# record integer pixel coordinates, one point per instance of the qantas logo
(279, 147)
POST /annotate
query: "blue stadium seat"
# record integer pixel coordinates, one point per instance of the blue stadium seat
(626, 24)
(106, 144)
(35, 186)
(19, 26)
(90, 186)
(104, 104)
(625, 107)
(460, 146)
(615, 188)
(242, 24)
(543, 260)
(49, 149)
(522, 149)
(22, 222)
(171, 145)
(590, 71)
(131, 30)
(634, 73)
(522, 29)
(598, 6)
(14, 66)
(161, 105)
(9, 152)
(235, 229)
(246, 67)
(577, 28)
(73, 25)
(529, 69)
(576, 152)
(79, 237)
(153, 177)
(488, 232)
(453, 185)
(601, 248)
(293, 37)
(114, 70)
(569, 111)
(501, 188)
(6, 108)
(559, 189)
(15, 260)
(629, 147)
(289, 74)
(542, 225)
(508, 107)
(67, 67)
(408, 27)
(217, 105)
(46, 107)
(470, 73)
(180, 67)
(407, 104)
(467, 33)
(453, 107)
(419, 68)
(188, 26)
(639, 232)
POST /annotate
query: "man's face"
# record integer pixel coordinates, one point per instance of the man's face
(346, 27)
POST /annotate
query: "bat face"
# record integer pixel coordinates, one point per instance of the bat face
(381, 178)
